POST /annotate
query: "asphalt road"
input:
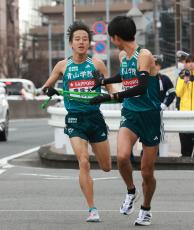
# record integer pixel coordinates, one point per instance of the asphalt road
(38, 198)
(25, 134)
(33, 197)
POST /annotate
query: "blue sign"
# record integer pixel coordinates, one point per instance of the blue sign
(99, 27)
(100, 47)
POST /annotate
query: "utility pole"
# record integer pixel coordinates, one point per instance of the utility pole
(50, 47)
(192, 27)
(178, 25)
(108, 39)
(68, 20)
(156, 27)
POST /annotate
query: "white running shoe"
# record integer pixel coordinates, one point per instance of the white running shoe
(144, 218)
(128, 205)
(93, 216)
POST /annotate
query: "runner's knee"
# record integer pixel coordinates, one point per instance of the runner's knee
(84, 164)
(106, 167)
(147, 174)
(122, 158)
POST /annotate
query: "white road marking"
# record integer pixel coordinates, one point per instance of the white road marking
(106, 178)
(4, 161)
(12, 129)
(81, 210)
(47, 176)
(56, 177)
(2, 171)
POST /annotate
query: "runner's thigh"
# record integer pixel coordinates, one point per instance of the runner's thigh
(102, 153)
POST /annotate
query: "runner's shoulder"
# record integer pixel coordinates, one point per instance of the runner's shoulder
(145, 53)
(61, 65)
(98, 63)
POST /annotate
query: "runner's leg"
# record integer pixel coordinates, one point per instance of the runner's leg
(102, 153)
(147, 171)
(80, 147)
(126, 140)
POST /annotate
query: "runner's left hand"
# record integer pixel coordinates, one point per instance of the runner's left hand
(50, 91)
(99, 79)
(99, 99)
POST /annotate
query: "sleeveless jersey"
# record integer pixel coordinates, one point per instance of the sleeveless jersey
(79, 78)
(148, 101)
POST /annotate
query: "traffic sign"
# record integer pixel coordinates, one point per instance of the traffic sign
(100, 47)
(101, 56)
(99, 27)
(100, 37)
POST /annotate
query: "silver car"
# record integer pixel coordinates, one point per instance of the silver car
(4, 113)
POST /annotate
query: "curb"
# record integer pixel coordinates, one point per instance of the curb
(52, 157)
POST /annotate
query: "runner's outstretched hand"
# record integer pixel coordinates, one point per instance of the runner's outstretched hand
(99, 99)
(99, 79)
(50, 91)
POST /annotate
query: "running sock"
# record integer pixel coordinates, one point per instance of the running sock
(92, 208)
(131, 191)
(145, 209)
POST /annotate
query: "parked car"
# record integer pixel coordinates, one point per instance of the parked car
(4, 113)
(19, 88)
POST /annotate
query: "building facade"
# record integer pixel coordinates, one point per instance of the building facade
(9, 38)
(87, 11)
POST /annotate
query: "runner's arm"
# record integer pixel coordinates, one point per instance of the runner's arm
(56, 73)
(101, 71)
(144, 63)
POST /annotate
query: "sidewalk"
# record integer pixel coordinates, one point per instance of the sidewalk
(53, 157)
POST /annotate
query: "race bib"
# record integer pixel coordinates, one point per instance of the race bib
(81, 86)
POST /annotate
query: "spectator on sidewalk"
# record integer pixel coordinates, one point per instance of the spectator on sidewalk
(181, 59)
(167, 90)
(185, 90)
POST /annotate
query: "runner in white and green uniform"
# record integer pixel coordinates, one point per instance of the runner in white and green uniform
(140, 113)
(145, 102)
(83, 120)
(79, 78)
(84, 123)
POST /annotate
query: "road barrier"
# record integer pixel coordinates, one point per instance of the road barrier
(174, 121)
(21, 109)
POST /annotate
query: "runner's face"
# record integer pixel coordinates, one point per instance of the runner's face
(117, 42)
(80, 42)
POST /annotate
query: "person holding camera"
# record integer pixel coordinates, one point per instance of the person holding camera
(181, 59)
(185, 90)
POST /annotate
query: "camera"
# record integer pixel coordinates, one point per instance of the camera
(185, 73)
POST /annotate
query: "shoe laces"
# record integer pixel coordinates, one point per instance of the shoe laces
(93, 212)
(128, 199)
(143, 214)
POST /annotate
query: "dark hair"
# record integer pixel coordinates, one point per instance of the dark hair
(189, 58)
(122, 26)
(158, 59)
(78, 25)
(182, 58)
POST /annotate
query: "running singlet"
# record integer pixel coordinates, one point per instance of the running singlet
(148, 101)
(79, 78)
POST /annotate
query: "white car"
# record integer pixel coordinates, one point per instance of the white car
(4, 113)
(19, 89)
